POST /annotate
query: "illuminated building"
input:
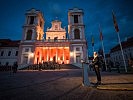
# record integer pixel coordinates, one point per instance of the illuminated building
(56, 46)
(116, 55)
(8, 51)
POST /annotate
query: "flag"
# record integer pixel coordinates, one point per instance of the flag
(92, 40)
(101, 35)
(115, 22)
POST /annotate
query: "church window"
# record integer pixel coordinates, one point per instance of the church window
(9, 53)
(48, 38)
(16, 54)
(31, 19)
(78, 49)
(7, 63)
(55, 38)
(75, 18)
(2, 53)
(56, 27)
(26, 49)
(76, 34)
(63, 37)
(29, 35)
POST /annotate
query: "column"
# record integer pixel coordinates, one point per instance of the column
(56, 55)
(63, 53)
(47, 53)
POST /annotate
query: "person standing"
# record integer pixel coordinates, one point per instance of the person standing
(96, 65)
(15, 67)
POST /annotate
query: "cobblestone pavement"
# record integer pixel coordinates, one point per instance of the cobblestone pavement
(64, 85)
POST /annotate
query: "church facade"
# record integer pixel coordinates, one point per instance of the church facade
(56, 46)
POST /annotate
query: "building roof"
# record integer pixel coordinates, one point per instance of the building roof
(9, 43)
(125, 44)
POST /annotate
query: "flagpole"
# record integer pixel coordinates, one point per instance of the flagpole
(104, 55)
(93, 48)
(101, 38)
(122, 51)
(92, 41)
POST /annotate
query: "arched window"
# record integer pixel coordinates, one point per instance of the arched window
(31, 19)
(29, 35)
(76, 34)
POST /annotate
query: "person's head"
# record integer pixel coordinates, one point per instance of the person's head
(95, 54)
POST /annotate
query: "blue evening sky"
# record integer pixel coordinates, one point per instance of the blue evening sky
(95, 12)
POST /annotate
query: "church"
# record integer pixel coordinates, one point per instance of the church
(56, 46)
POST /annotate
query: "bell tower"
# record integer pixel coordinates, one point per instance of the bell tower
(75, 24)
(34, 25)
(32, 32)
(76, 27)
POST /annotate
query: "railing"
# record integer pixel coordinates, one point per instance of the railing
(59, 40)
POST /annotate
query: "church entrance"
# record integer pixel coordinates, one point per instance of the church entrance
(78, 58)
(55, 54)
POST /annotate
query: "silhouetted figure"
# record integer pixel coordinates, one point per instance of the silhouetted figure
(40, 67)
(15, 67)
(96, 66)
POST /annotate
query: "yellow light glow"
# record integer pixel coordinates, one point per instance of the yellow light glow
(31, 54)
(51, 59)
(71, 53)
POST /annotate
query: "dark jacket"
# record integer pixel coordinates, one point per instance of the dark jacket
(96, 61)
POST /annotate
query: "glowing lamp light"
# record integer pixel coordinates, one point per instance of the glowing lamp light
(31, 54)
(71, 53)
(51, 59)
(82, 60)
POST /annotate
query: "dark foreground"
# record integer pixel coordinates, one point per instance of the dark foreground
(64, 84)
